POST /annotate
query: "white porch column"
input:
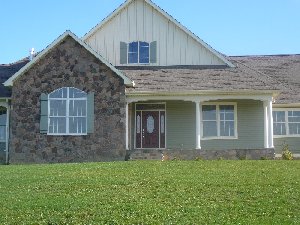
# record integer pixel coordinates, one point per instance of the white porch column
(198, 133)
(266, 125)
(127, 126)
(270, 120)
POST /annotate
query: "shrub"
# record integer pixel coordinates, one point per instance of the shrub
(286, 153)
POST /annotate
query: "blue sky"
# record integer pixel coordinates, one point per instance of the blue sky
(233, 27)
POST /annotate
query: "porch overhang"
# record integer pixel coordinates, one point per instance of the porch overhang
(202, 96)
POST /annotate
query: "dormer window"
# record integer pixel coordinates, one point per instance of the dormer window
(138, 52)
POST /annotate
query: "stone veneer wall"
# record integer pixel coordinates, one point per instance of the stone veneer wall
(68, 65)
(201, 154)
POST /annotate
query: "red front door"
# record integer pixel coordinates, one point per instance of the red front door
(150, 129)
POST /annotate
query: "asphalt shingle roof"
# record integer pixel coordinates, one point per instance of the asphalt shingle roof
(285, 69)
(6, 71)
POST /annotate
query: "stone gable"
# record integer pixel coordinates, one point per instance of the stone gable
(68, 65)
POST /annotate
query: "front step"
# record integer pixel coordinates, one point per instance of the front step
(152, 154)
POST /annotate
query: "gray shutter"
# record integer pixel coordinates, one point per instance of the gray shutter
(123, 53)
(90, 113)
(153, 52)
(44, 114)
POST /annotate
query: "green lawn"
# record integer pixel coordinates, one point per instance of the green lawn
(147, 192)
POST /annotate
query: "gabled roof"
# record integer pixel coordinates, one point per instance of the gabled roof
(6, 71)
(66, 34)
(166, 15)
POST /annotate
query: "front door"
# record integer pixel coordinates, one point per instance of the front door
(150, 126)
(150, 129)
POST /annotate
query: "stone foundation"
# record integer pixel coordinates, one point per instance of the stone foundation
(241, 154)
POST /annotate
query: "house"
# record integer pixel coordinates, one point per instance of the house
(140, 85)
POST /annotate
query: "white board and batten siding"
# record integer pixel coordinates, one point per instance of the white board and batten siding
(139, 21)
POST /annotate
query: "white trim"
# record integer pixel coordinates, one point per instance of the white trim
(286, 122)
(67, 116)
(266, 125)
(141, 126)
(127, 125)
(168, 17)
(198, 96)
(217, 104)
(35, 60)
(270, 128)
(198, 125)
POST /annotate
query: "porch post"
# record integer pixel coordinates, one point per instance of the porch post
(127, 128)
(270, 120)
(266, 125)
(198, 134)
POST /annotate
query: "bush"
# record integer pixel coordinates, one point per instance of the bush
(286, 153)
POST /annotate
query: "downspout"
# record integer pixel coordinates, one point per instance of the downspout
(7, 131)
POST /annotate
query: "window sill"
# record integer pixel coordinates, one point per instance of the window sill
(287, 136)
(219, 138)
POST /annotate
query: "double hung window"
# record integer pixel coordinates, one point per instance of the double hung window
(286, 122)
(219, 120)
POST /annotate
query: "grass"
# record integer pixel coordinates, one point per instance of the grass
(152, 192)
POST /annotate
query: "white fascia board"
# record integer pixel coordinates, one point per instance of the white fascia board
(206, 92)
(10, 81)
(199, 96)
(169, 17)
(287, 105)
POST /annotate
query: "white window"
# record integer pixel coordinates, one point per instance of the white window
(2, 124)
(67, 110)
(138, 52)
(286, 122)
(219, 120)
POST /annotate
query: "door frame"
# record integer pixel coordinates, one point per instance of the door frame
(154, 110)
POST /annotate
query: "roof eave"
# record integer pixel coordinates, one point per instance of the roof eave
(273, 93)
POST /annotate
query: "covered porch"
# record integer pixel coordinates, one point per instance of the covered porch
(199, 125)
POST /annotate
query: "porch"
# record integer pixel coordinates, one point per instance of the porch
(188, 133)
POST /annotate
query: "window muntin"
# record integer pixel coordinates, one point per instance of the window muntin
(286, 122)
(279, 127)
(138, 52)
(3, 117)
(133, 53)
(67, 112)
(219, 120)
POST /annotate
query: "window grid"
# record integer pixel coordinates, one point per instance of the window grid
(219, 120)
(67, 116)
(287, 122)
(140, 45)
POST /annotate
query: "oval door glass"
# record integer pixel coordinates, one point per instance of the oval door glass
(150, 124)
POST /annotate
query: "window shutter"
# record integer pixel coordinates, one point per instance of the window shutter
(90, 113)
(44, 114)
(153, 52)
(123, 53)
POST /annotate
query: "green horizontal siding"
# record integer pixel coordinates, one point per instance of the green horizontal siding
(250, 128)
(181, 126)
(293, 142)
